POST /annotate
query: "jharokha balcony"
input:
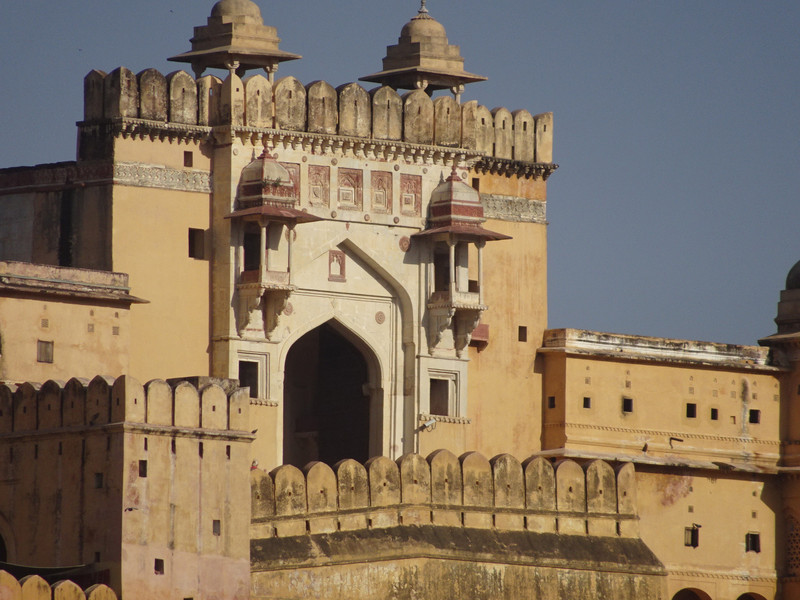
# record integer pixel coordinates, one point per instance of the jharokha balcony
(268, 280)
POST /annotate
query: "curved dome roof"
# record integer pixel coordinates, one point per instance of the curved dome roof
(237, 8)
(423, 25)
(793, 278)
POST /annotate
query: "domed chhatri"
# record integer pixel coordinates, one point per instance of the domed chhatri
(266, 192)
(793, 278)
(456, 209)
(238, 9)
(235, 38)
(424, 59)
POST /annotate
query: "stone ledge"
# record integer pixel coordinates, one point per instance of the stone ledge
(621, 555)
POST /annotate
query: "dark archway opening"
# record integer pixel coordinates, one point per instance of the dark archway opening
(690, 595)
(326, 400)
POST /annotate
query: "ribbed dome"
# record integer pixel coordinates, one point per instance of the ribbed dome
(422, 26)
(237, 8)
(793, 278)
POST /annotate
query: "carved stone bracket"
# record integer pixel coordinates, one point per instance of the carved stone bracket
(504, 166)
(465, 323)
(439, 320)
(259, 308)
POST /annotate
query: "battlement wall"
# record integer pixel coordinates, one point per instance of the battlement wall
(349, 110)
(470, 491)
(78, 404)
(34, 587)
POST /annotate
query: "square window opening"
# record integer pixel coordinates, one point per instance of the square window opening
(522, 333)
(551, 402)
(627, 405)
(142, 468)
(587, 402)
(44, 352)
(196, 243)
(158, 566)
(691, 536)
(752, 542)
(714, 414)
(691, 410)
(216, 527)
(248, 376)
(188, 158)
(98, 481)
(755, 416)
(440, 397)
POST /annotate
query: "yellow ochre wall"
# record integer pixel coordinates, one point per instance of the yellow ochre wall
(150, 243)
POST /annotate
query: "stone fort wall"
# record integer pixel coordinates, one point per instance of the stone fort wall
(470, 491)
(349, 110)
(106, 469)
(34, 587)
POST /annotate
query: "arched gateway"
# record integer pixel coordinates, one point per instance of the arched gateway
(326, 394)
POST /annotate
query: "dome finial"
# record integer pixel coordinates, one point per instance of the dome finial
(422, 7)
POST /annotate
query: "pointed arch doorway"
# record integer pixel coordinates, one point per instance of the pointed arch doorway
(328, 377)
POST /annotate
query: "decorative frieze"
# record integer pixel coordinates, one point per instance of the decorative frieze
(511, 208)
(140, 175)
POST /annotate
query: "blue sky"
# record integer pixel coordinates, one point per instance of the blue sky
(675, 210)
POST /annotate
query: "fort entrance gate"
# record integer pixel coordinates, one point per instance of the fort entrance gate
(326, 402)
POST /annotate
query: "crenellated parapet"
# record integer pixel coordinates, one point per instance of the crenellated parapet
(160, 105)
(77, 405)
(33, 587)
(443, 490)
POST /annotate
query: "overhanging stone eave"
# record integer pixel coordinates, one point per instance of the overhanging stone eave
(246, 56)
(626, 357)
(661, 461)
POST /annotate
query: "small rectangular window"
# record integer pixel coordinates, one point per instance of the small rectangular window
(216, 527)
(476, 184)
(188, 158)
(627, 405)
(752, 542)
(196, 243)
(587, 402)
(44, 352)
(755, 415)
(97, 557)
(551, 402)
(98, 481)
(691, 536)
(228, 452)
(691, 410)
(522, 333)
(714, 414)
(142, 468)
(158, 566)
(248, 376)
(440, 396)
